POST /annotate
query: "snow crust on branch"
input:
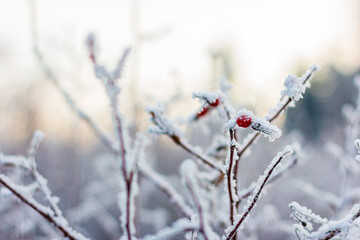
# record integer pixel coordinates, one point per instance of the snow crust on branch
(295, 87)
(357, 144)
(207, 97)
(101, 71)
(253, 198)
(182, 225)
(189, 173)
(164, 185)
(162, 125)
(328, 229)
(256, 123)
(25, 192)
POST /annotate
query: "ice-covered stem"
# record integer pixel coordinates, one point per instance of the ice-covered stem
(280, 172)
(162, 184)
(51, 76)
(42, 182)
(190, 149)
(229, 163)
(189, 172)
(351, 217)
(59, 222)
(69, 100)
(182, 225)
(127, 175)
(271, 117)
(231, 231)
(109, 80)
(328, 229)
(52, 214)
(162, 125)
(199, 208)
(101, 72)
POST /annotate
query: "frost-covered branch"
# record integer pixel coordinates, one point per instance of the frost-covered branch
(59, 222)
(163, 185)
(189, 171)
(229, 172)
(51, 76)
(182, 225)
(239, 219)
(53, 213)
(328, 229)
(281, 106)
(162, 125)
(244, 193)
(276, 111)
(127, 160)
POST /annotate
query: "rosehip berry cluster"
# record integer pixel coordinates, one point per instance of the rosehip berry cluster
(207, 108)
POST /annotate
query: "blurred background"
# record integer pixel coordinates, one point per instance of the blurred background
(178, 47)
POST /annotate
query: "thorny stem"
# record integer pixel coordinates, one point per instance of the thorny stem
(46, 215)
(256, 197)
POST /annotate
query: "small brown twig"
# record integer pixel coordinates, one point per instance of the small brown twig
(177, 140)
(229, 177)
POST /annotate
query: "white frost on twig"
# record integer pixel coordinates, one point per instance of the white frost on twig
(162, 125)
(245, 118)
(357, 144)
(207, 97)
(295, 87)
(251, 201)
(340, 228)
(182, 225)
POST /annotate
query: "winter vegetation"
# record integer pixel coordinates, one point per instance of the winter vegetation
(212, 205)
(213, 194)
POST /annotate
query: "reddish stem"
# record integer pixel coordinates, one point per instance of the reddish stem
(47, 216)
(229, 170)
(255, 199)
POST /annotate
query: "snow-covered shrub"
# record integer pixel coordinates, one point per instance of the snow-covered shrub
(206, 193)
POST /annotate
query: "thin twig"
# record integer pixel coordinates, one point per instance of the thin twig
(199, 209)
(188, 148)
(229, 172)
(49, 215)
(334, 232)
(162, 184)
(273, 177)
(252, 140)
(254, 200)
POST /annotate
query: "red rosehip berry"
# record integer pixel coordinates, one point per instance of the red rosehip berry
(244, 121)
(202, 112)
(216, 103)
